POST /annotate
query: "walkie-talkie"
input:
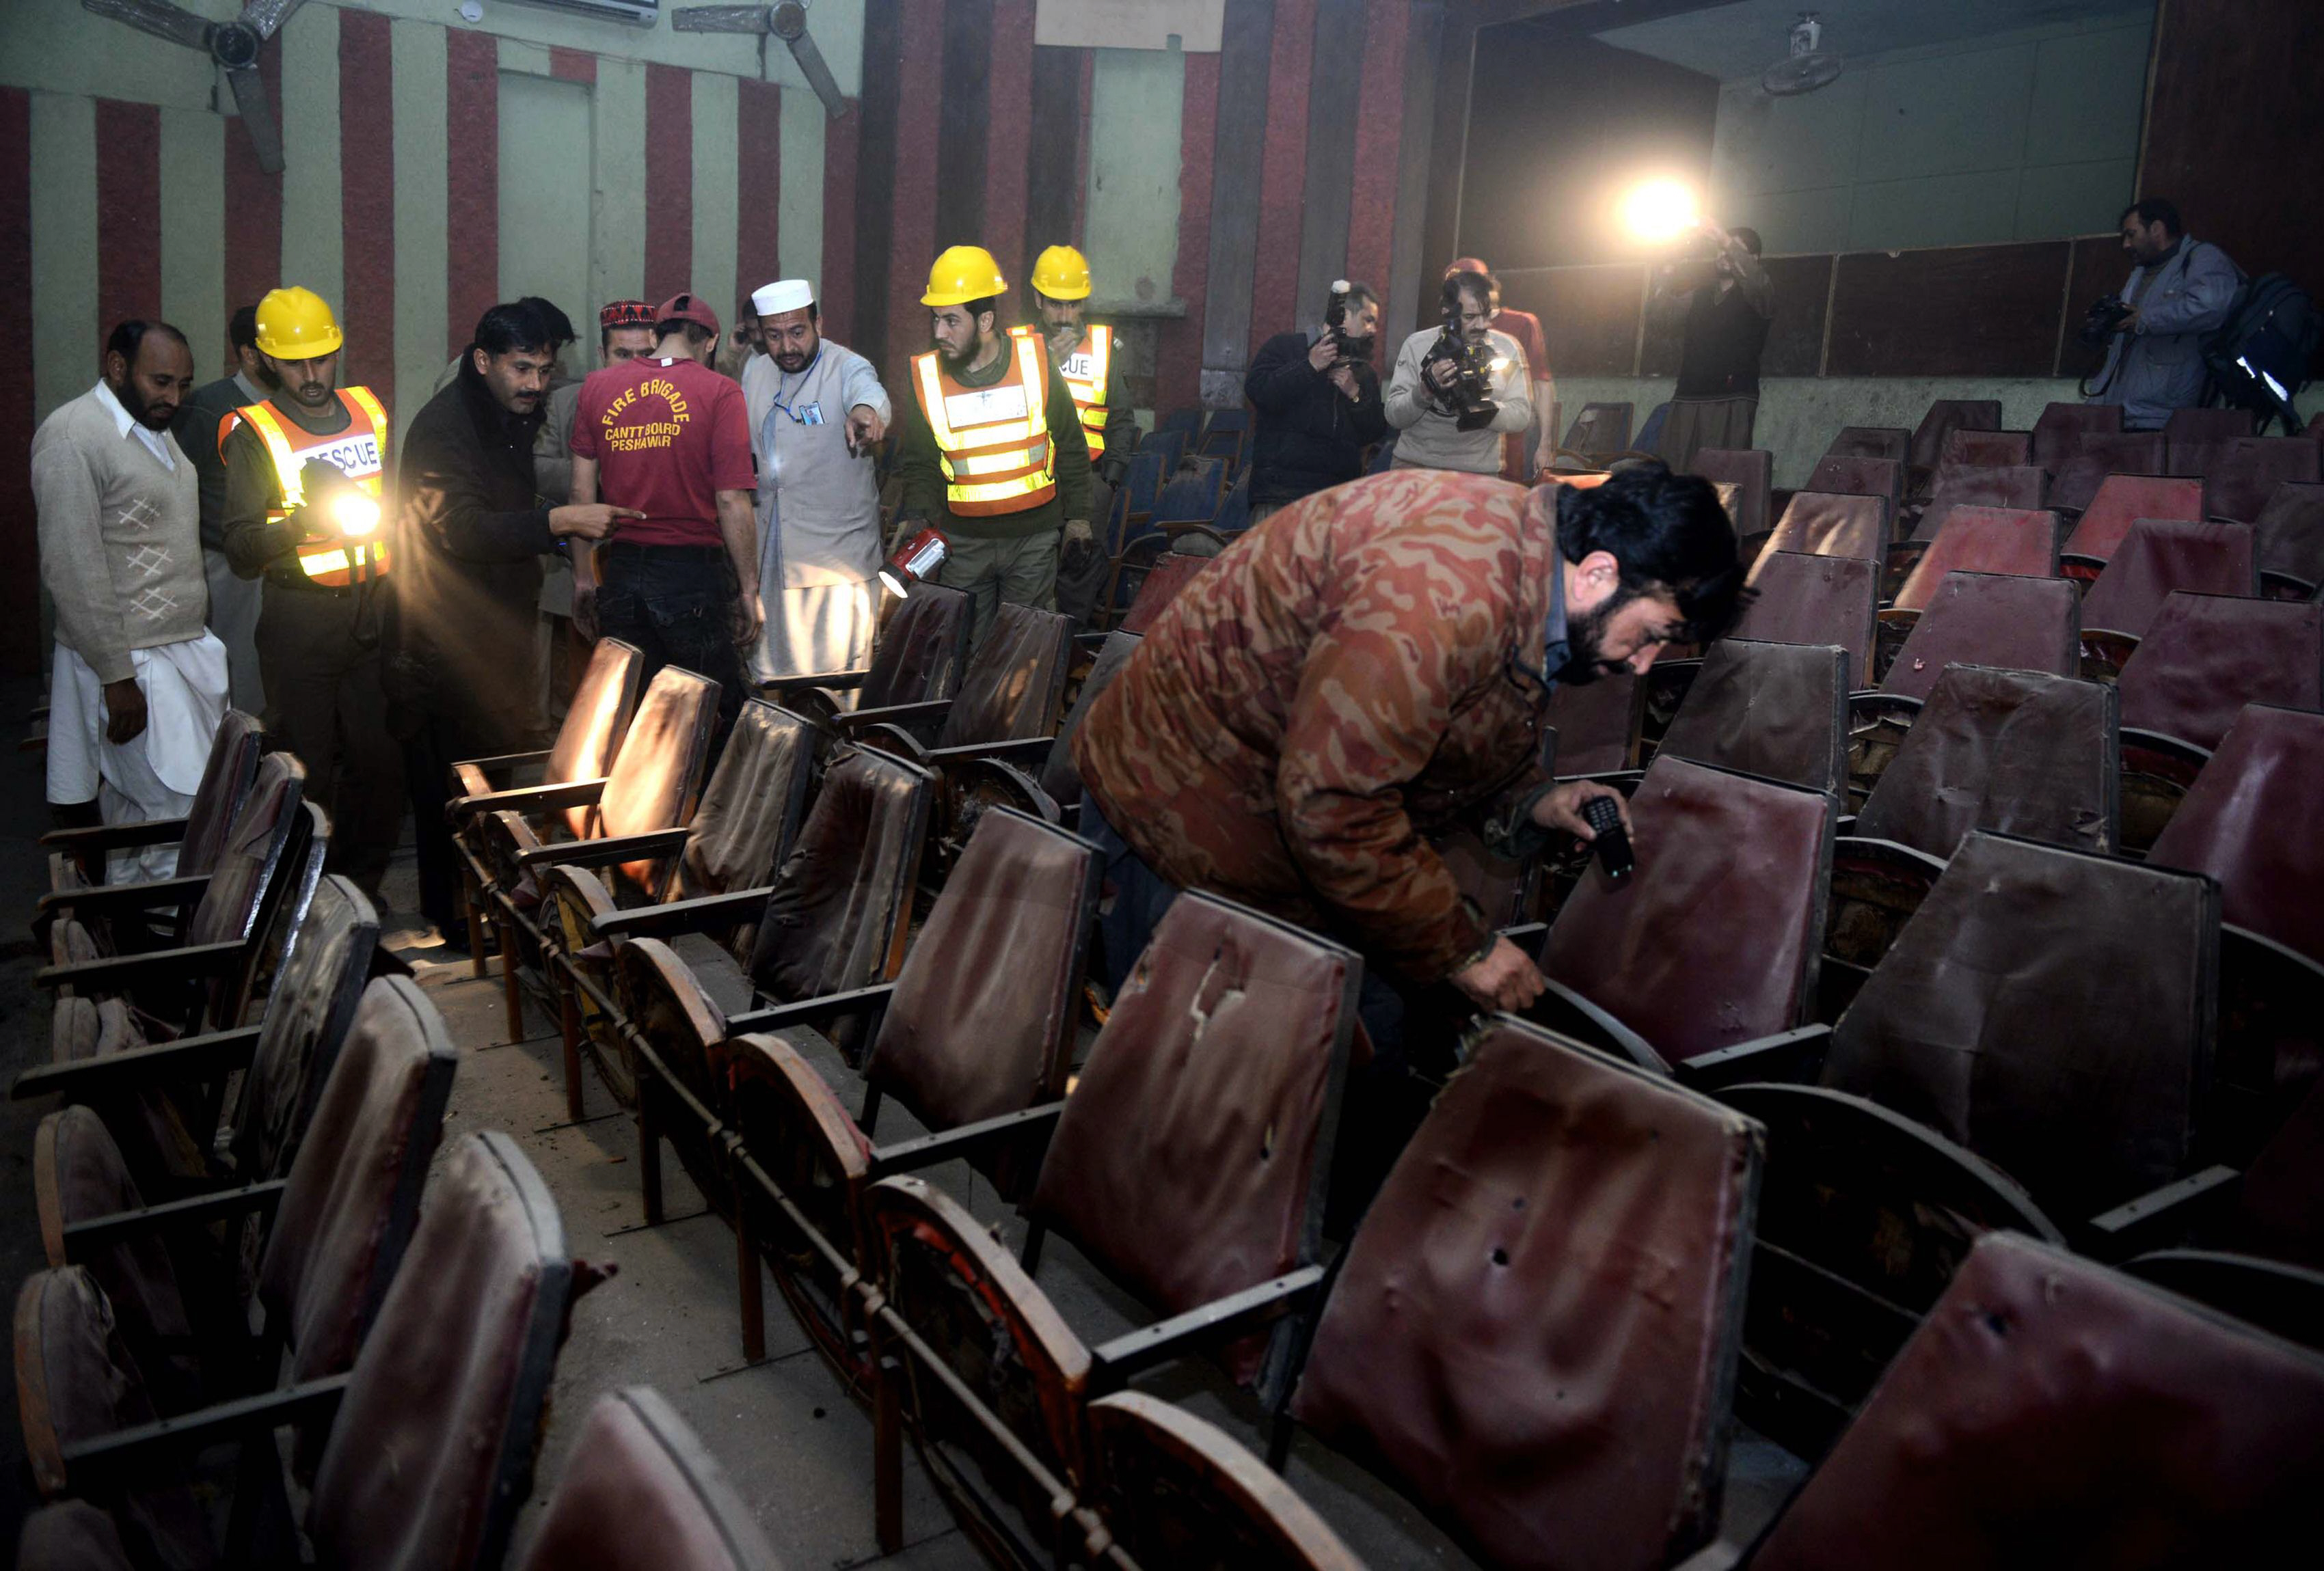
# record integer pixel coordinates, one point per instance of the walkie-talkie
(1604, 817)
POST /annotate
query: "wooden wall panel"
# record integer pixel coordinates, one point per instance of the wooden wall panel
(1965, 310)
(2099, 269)
(1795, 337)
(1590, 314)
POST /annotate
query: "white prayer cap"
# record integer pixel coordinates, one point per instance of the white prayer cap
(785, 294)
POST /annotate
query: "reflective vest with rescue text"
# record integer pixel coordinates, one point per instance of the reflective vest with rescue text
(1084, 370)
(992, 442)
(359, 452)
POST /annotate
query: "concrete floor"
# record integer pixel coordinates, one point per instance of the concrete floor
(795, 1444)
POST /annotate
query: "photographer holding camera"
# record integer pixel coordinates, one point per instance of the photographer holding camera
(1318, 403)
(2179, 289)
(1726, 300)
(1457, 389)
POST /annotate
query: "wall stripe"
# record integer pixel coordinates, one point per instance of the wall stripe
(809, 140)
(1081, 125)
(913, 228)
(1371, 221)
(841, 201)
(193, 214)
(417, 52)
(20, 591)
(314, 245)
(253, 199)
(874, 167)
(669, 180)
(1008, 132)
(710, 261)
(1180, 366)
(472, 182)
(1277, 282)
(572, 65)
(367, 200)
(1247, 46)
(128, 213)
(1424, 25)
(759, 163)
(617, 262)
(1327, 186)
(64, 249)
(1054, 177)
(962, 118)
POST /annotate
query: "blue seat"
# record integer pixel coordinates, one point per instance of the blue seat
(1191, 498)
(1382, 456)
(1169, 446)
(1187, 420)
(1235, 513)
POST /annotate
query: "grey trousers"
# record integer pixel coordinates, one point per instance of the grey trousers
(1022, 571)
(233, 617)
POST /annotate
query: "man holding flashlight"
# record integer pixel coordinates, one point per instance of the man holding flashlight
(305, 479)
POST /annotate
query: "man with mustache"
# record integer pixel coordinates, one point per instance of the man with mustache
(817, 415)
(138, 683)
(472, 528)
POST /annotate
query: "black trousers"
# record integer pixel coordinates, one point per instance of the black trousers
(678, 604)
(319, 656)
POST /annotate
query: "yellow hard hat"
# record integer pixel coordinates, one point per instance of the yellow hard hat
(962, 274)
(294, 324)
(1062, 273)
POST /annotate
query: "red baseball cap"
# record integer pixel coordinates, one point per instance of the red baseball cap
(689, 309)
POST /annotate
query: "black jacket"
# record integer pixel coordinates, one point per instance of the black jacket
(470, 535)
(1308, 433)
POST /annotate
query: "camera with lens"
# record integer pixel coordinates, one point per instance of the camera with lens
(1471, 396)
(2102, 321)
(1351, 350)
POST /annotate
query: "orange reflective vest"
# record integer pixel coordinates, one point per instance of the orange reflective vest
(359, 452)
(1084, 370)
(992, 442)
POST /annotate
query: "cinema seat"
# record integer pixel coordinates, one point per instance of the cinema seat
(107, 853)
(2049, 1406)
(1600, 725)
(1751, 470)
(1893, 442)
(639, 1492)
(2198, 439)
(2238, 486)
(1059, 777)
(2059, 431)
(2024, 488)
(1800, 598)
(1533, 1332)
(1944, 416)
(1825, 524)
(2206, 655)
(1172, 1490)
(1979, 539)
(2121, 501)
(2249, 822)
(1170, 574)
(919, 654)
(2003, 620)
(2290, 530)
(2098, 457)
(2159, 556)
(1995, 449)
(1860, 476)
(1779, 711)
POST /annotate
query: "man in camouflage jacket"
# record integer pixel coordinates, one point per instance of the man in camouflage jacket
(1372, 665)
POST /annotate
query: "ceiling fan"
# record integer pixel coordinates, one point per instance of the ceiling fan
(1808, 65)
(234, 45)
(787, 22)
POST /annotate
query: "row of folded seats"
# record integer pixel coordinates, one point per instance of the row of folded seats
(1952, 1020)
(243, 1235)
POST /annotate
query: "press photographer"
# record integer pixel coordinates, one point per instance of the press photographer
(1318, 403)
(2179, 289)
(1459, 388)
(1716, 286)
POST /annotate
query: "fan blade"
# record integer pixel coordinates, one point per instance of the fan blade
(720, 19)
(257, 117)
(158, 17)
(818, 75)
(266, 17)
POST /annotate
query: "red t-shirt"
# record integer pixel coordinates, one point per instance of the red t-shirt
(667, 436)
(1526, 328)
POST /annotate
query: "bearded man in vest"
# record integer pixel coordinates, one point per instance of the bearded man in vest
(991, 453)
(1083, 353)
(305, 483)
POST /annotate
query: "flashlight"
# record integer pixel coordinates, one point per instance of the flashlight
(914, 560)
(1658, 211)
(355, 513)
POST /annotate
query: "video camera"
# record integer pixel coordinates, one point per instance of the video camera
(2102, 321)
(1471, 396)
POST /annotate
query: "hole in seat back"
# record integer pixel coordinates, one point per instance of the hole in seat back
(1015, 681)
(2160, 555)
(2249, 821)
(2049, 1401)
(923, 650)
(2004, 620)
(836, 917)
(1535, 1328)
(982, 1021)
(1801, 598)
(1714, 939)
(431, 1452)
(2019, 752)
(353, 1193)
(1191, 1160)
(2054, 1012)
(2205, 657)
(751, 810)
(641, 1490)
(1776, 709)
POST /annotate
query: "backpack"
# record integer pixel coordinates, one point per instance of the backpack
(2258, 357)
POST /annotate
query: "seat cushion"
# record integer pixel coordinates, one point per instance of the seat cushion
(1800, 598)
(2054, 1012)
(753, 803)
(1714, 939)
(1534, 1329)
(2249, 821)
(2021, 752)
(2159, 556)
(2206, 655)
(2051, 1411)
(1989, 618)
(1776, 709)
(982, 1021)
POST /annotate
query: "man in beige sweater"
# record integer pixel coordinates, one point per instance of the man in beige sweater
(139, 683)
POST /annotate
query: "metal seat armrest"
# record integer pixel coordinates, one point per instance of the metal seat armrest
(606, 853)
(188, 1057)
(114, 972)
(148, 1449)
(531, 798)
(1562, 1009)
(2162, 1216)
(83, 1239)
(775, 1017)
(1788, 1058)
(1113, 1363)
(702, 914)
(1023, 749)
(836, 680)
(107, 837)
(953, 1145)
(932, 711)
(104, 899)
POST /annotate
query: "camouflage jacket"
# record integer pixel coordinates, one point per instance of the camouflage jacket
(1360, 672)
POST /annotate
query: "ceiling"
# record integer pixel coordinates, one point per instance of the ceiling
(1740, 40)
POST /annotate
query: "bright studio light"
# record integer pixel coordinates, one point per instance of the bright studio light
(355, 514)
(1658, 211)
